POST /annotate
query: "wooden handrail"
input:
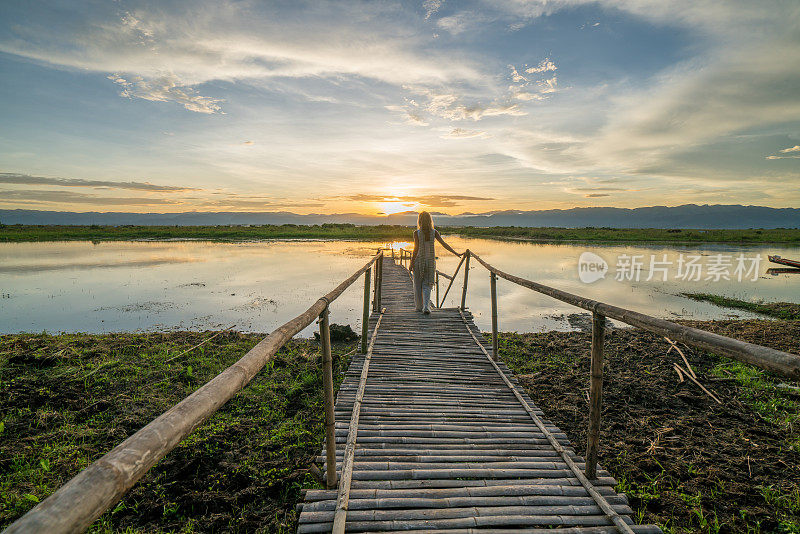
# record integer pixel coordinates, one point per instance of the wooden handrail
(440, 273)
(773, 360)
(783, 363)
(451, 277)
(76, 504)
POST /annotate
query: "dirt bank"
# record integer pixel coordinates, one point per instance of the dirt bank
(686, 462)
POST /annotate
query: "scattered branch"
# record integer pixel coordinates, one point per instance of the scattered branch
(693, 379)
(201, 343)
(674, 345)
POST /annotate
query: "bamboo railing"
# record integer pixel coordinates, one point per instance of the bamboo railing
(76, 504)
(772, 360)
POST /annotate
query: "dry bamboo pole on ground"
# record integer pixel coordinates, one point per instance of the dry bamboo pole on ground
(365, 315)
(327, 384)
(198, 345)
(493, 289)
(782, 363)
(693, 379)
(76, 504)
(596, 394)
(673, 345)
(466, 282)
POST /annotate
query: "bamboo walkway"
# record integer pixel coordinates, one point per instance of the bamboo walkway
(446, 441)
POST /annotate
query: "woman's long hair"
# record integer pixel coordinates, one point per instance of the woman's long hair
(425, 223)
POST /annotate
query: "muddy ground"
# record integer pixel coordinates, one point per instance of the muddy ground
(687, 463)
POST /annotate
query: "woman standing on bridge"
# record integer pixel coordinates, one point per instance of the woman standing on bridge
(423, 260)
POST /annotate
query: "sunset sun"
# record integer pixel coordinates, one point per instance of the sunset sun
(390, 207)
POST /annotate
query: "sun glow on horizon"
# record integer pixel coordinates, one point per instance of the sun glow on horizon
(390, 207)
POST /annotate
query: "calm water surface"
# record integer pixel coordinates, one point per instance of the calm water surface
(257, 286)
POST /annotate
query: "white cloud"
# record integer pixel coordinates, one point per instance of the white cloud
(461, 133)
(431, 7)
(449, 106)
(410, 116)
(795, 148)
(167, 88)
(173, 51)
(455, 24)
(516, 76)
(529, 88)
(544, 66)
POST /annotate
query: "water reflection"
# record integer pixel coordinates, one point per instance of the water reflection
(128, 286)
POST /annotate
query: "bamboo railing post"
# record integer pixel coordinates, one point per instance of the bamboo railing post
(493, 288)
(596, 394)
(380, 281)
(375, 291)
(365, 316)
(437, 289)
(466, 281)
(327, 384)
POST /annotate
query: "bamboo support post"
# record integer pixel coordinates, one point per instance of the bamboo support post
(466, 281)
(493, 288)
(379, 286)
(365, 316)
(596, 394)
(452, 279)
(437, 289)
(375, 291)
(327, 384)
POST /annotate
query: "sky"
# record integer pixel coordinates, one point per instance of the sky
(384, 106)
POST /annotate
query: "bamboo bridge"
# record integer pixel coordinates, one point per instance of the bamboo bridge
(432, 434)
(430, 431)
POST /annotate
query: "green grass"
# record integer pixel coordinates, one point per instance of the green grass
(636, 235)
(778, 310)
(68, 399)
(17, 233)
(766, 397)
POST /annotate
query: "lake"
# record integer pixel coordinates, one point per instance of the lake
(257, 286)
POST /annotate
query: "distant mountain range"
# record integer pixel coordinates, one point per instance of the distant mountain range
(686, 216)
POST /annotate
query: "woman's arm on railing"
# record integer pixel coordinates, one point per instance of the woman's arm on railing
(445, 245)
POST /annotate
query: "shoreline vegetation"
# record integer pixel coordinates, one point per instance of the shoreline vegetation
(27, 233)
(685, 462)
(778, 310)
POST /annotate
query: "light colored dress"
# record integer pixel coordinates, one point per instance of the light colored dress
(424, 271)
(425, 262)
